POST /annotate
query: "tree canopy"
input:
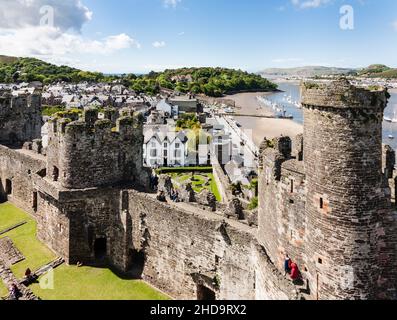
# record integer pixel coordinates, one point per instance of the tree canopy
(213, 82)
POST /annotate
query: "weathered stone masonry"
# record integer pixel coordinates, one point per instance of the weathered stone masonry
(20, 118)
(324, 200)
(332, 212)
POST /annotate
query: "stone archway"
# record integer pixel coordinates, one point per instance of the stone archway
(100, 249)
(205, 294)
(136, 263)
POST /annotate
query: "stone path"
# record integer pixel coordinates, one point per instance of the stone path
(9, 254)
(52, 265)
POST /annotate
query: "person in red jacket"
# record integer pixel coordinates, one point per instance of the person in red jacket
(294, 271)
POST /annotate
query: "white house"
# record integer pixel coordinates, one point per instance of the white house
(167, 108)
(165, 148)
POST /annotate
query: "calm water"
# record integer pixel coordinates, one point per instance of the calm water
(292, 89)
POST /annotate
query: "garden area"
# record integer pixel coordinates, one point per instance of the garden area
(70, 282)
(200, 178)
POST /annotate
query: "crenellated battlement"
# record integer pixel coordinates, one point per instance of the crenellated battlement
(88, 126)
(342, 94)
(91, 152)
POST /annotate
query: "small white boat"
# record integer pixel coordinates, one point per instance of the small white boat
(394, 119)
(387, 119)
(391, 137)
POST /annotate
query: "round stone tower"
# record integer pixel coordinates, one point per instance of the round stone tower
(347, 198)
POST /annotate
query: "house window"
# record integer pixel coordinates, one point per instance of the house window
(165, 153)
(153, 153)
(153, 145)
(178, 153)
(177, 145)
(165, 144)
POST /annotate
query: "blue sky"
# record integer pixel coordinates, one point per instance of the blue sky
(143, 35)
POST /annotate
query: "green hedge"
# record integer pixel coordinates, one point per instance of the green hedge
(184, 169)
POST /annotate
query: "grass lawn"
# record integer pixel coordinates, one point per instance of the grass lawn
(70, 282)
(86, 283)
(10, 215)
(3, 289)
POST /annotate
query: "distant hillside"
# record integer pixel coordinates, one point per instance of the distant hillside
(213, 82)
(310, 71)
(30, 69)
(378, 71)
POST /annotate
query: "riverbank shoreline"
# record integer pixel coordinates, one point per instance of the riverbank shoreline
(260, 128)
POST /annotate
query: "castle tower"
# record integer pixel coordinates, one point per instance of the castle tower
(349, 251)
(20, 118)
(93, 153)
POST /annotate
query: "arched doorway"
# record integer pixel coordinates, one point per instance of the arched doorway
(8, 187)
(100, 248)
(136, 263)
(205, 294)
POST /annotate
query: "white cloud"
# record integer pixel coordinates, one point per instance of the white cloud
(48, 42)
(304, 4)
(159, 44)
(119, 42)
(22, 32)
(71, 14)
(171, 3)
(395, 25)
(181, 33)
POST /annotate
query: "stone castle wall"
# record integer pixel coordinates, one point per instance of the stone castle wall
(19, 168)
(186, 247)
(92, 152)
(20, 118)
(347, 193)
(282, 223)
(331, 211)
(323, 199)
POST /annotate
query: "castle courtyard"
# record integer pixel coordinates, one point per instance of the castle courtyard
(70, 282)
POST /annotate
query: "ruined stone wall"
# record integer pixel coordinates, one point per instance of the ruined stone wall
(349, 249)
(222, 181)
(71, 222)
(92, 153)
(282, 196)
(20, 118)
(185, 247)
(282, 221)
(53, 226)
(19, 167)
